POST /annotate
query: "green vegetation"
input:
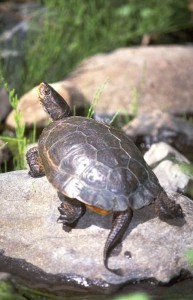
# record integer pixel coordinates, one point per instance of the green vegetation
(189, 255)
(18, 143)
(69, 31)
(135, 296)
(10, 292)
(186, 168)
(95, 101)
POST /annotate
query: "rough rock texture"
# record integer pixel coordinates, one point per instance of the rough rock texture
(160, 76)
(128, 79)
(35, 249)
(157, 125)
(162, 151)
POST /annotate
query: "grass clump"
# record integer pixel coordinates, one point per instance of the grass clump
(17, 143)
(96, 99)
(69, 31)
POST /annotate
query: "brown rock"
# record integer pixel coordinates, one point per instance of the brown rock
(144, 77)
(129, 80)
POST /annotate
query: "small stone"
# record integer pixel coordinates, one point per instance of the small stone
(162, 151)
(166, 164)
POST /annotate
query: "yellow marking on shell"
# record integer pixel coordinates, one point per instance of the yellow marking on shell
(98, 210)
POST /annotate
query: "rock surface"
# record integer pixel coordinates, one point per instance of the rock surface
(167, 165)
(152, 127)
(162, 151)
(147, 77)
(35, 250)
(129, 80)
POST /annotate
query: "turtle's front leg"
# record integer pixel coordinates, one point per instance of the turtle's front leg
(34, 162)
(71, 210)
(120, 224)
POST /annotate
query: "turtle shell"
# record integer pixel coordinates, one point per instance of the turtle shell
(96, 164)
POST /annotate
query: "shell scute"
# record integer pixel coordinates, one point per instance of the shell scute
(122, 181)
(65, 144)
(96, 175)
(96, 164)
(138, 170)
(77, 159)
(97, 143)
(108, 157)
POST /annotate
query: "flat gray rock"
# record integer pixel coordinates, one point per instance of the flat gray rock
(35, 250)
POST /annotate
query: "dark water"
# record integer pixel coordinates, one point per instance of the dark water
(179, 291)
(182, 290)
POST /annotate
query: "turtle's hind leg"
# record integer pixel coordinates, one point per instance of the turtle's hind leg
(34, 162)
(120, 224)
(167, 208)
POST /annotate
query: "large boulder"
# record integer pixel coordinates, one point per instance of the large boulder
(130, 80)
(36, 251)
(139, 78)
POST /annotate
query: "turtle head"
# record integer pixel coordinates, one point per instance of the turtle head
(53, 103)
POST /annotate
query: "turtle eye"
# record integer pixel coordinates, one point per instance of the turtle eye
(44, 89)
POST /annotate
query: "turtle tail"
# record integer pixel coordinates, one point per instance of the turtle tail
(120, 223)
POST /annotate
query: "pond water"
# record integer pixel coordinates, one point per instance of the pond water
(179, 291)
(182, 290)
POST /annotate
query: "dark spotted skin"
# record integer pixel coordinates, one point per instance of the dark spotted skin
(96, 166)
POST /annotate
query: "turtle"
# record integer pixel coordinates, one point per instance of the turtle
(96, 166)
